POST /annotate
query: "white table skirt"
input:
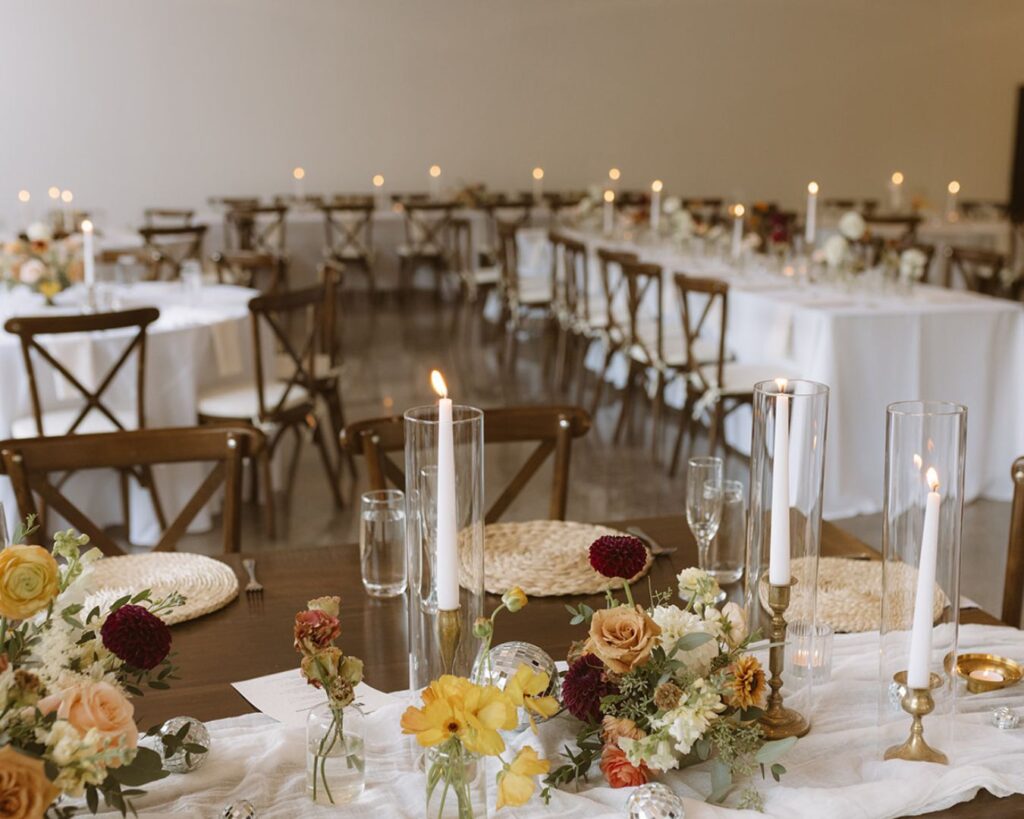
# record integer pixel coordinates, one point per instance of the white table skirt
(871, 349)
(835, 771)
(189, 347)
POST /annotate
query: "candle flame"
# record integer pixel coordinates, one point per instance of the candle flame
(812, 187)
(299, 173)
(738, 211)
(614, 174)
(86, 226)
(933, 478)
(930, 445)
(538, 173)
(378, 180)
(437, 382)
(609, 196)
(66, 196)
(918, 462)
(24, 196)
(657, 185)
(954, 187)
(781, 383)
(435, 171)
(897, 178)
(54, 192)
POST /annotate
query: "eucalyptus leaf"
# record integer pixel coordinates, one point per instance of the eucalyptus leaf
(721, 780)
(146, 767)
(692, 641)
(771, 751)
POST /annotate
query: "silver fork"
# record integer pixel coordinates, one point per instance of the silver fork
(253, 587)
(655, 547)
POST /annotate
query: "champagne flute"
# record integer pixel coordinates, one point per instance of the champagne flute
(704, 502)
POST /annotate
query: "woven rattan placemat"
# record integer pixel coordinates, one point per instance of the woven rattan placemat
(205, 583)
(545, 558)
(850, 594)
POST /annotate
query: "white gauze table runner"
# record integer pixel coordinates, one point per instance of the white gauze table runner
(835, 771)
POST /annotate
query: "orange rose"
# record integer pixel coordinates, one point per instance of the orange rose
(25, 792)
(97, 705)
(619, 771)
(622, 637)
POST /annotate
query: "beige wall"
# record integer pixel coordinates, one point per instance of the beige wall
(136, 102)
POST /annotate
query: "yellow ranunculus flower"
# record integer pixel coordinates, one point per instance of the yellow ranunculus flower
(28, 581)
(455, 707)
(514, 599)
(515, 782)
(488, 710)
(525, 688)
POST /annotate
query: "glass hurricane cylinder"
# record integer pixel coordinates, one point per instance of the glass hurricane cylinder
(925, 448)
(805, 411)
(421, 446)
(456, 787)
(335, 754)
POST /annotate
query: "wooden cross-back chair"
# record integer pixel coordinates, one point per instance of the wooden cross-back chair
(168, 217)
(521, 297)
(578, 321)
(558, 201)
(256, 227)
(426, 240)
(476, 280)
(266, 272)
(30, 462)
(280, 397)
(501, 208)
(1013, 584)
(981, 272)
(95, 413)
(900, 228)
(552, 427)
(865, 206)
(613, 334)
(348, 233)
(705, 209)
(171, 246)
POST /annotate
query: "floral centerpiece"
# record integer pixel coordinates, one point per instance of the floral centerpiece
(460, 722)
(663, 686)
(42, 263)
(67, 723)
(837, 251)
(334, 756)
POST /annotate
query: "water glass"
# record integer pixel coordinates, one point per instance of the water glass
(704, 502)
(382, 542)
(727, 550)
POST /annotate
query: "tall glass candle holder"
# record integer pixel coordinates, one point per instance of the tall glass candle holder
(421, 479)
(787, 470)
(925, 449)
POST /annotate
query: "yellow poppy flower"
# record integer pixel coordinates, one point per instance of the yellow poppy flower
(487, 710)
(515, 782)
(514, 599)
(524, 689)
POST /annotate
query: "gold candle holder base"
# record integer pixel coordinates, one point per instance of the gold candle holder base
(449, 635)
(779, 722)
(917, 702)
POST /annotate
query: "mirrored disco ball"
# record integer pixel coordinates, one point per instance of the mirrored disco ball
(655, 801)
(242, 809)
(506, 658)
(183, 761)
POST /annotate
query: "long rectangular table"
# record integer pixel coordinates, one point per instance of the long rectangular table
(252, 636)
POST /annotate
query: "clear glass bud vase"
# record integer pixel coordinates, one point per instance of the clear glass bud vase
(335, 755)
(456, 787)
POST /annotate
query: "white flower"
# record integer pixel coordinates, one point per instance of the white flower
(688, 721)
(32, 271)
(752, 241)
(38, 232)
(682, 224)
(834, 251)
(79, 759)
(698, 585)
(851, 225)
(676, 623)
(672, 204)
(912, 264)
(730, 623)
(654, 750)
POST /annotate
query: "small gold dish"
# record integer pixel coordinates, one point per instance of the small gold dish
(1003, 671)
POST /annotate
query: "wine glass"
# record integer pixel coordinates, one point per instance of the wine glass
(704, 502)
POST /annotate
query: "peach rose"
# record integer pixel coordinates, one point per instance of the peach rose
(619, 771)
(28, 581)
(614, 728)
(622, 637)
(96, 705)
(25, 792)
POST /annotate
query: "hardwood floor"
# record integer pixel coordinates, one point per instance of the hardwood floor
(389, 351)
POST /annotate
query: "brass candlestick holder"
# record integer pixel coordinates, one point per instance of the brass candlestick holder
(779, 722)
(449, 635)
(917, 702)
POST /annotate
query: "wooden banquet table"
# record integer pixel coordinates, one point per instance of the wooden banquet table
(252, 636)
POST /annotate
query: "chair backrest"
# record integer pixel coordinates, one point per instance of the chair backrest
(348, 229)
(613, 288)
(331, 275)
(573, 285)
(279, 312)
(559, 200)
(552, 427)
(168, 217)
(256, 227)
(427, 225)
(460, 254)
(171, 246)
(705, 209)
(508, 261)
(1013, 585)
(267, 272)
(643, 284)
(695, 320)
(29, 328)
(510, 210)
(901, 228)
(29, 462)
(981, 272)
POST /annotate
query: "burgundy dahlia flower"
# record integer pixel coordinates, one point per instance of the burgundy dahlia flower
(137, 636)
(583, 687)
(618, 556)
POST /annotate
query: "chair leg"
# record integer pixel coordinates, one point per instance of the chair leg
(627, 401)
(336, 413)
(561, 354)
(685, 425)
(150, 484)
(262, 465)
(714, 428)
(332, 475)
(656, 414)
(126, 502)
(601, 378)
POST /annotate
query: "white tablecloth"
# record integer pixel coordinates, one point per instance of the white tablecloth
(199, 340)
(836, 771)
(871, 348)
